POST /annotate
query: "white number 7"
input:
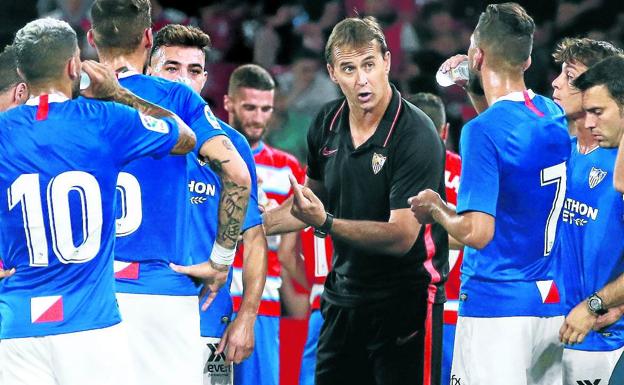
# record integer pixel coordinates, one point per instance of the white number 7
(555, 174)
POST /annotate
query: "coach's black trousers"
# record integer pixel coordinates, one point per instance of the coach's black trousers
(378, 344)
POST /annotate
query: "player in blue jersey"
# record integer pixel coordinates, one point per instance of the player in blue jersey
(589, 214)
(61, 158)
(179, 54)
(510, 195)
(159, 304)
(590, 239)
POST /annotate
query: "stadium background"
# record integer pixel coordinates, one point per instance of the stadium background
(288, 38)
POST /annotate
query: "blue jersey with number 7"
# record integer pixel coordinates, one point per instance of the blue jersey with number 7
(60, 160)
(513, 168)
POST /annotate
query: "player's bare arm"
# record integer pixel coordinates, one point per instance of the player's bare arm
(6, 273)
(618, 174)
(104, 85)
(289, 255)
(225, 161)
(474, 228)
(396, 237)
(238, 339)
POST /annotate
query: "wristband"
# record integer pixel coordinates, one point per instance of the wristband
(325, 228)
(222, 255)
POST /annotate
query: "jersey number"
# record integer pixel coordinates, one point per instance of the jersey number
(130, 204)
(555, 174)
(25, 190)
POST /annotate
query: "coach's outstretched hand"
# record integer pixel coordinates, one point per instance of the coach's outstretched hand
(306, 206)
(104, 84)
(238, 340)
(577, 324)
(212, 278)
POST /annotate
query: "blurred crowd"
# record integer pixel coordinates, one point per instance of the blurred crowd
(288, 38)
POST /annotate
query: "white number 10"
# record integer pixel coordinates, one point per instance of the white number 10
(25, 190)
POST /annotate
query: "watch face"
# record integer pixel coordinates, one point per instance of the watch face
(594, 304)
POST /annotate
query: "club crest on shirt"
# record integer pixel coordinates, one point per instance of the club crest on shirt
(596, 176)
(378, 162)
(211, 118)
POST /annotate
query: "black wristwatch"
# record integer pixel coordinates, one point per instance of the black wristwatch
(595, 305)
(325, 228)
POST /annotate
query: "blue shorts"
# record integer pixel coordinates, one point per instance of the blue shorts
(262, 366)
(308, 362)
(448, 343)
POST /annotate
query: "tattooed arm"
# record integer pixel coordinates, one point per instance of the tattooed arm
(225, 161)
(104, 85)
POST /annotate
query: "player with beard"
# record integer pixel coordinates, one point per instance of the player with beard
(61, 157)
(179, 54)
(158, 303)
(249, 103)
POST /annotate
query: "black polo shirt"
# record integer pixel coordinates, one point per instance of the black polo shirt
(404, 156)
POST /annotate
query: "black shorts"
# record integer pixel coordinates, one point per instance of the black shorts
(380, 344)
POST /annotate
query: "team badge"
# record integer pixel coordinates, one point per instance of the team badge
(154, 124)
(211, 118)
(378, 162)
(596, 176)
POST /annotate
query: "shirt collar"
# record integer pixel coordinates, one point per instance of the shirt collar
(126, 73)
(387, 125)
(52, 98)
(258, 149)
(516, 96)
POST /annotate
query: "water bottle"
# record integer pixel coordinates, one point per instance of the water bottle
(458, 75)
(85, 81)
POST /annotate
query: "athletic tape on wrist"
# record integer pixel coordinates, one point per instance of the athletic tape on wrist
(222, 255)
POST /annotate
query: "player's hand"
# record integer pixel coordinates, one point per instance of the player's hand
(238, 339)
(612, 316)
(306, 206)
(6, 273)
(423, 204)
(577, 324)
(212, 278)
(104, 84)
(452, 62)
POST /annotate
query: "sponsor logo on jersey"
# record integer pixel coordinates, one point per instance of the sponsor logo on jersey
(578, 213)
(327, 152)
(202, 188)
(378, 162)
(211, 118)
(154, 124)
(215, 366)
(596, 176)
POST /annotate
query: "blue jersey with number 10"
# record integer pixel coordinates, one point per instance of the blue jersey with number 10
(153, 218)
(60, 162)
(513, 168)
(589, 249)
(205, 189)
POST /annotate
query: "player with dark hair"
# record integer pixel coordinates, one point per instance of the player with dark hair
(592, 215)
(61, 157)
(158, 304)
(179, 54)
(13, 89)
(511, 193)
(367, 154)
(444, 318)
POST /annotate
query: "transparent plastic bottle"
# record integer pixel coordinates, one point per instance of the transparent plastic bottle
(458, 75)
(85, 80)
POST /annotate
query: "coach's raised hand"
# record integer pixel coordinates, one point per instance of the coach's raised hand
(306, 206)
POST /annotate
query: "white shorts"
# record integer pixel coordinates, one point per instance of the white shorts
(93, 357)
(583, 367)
(164, 338)
(507, 350)
(216, 371)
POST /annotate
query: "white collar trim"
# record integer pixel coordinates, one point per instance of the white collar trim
(126, 74)
(52, 98)
(516, 96)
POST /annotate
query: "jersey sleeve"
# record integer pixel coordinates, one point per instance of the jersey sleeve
(479, 181)
(198, 115)
(136, 135)
(415, 171)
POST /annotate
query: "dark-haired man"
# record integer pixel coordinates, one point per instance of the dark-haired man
(158, 304)
(13, 89)
(362, 163)
(178, 54)
(510, 196)
(61, 157)
(592, 229)
(579, 248)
